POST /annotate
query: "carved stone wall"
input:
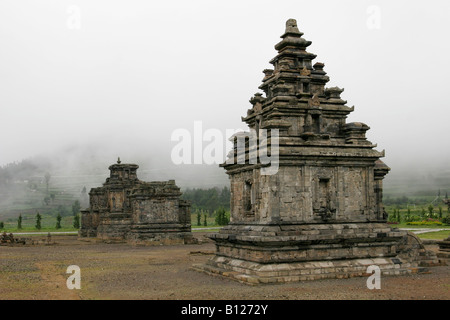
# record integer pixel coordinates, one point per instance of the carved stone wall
(125, 208)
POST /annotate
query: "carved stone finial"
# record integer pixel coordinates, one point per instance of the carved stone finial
(118, 160)
(291, 26)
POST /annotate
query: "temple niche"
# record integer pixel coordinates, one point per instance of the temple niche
(320, 214)
(125, 208)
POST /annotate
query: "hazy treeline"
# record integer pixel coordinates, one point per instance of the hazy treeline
(19, 180)
(208, 200)
(24, 170)
(29, 186)
(420, 201)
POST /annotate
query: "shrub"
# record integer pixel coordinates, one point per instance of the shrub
(408, 215)
(38, 221)
(199, 218)
(428, 222)
(76, 221)
(58, 221)
(221, 217)
(19, 222)
(423, 213)
(393, 217)
(446, 220)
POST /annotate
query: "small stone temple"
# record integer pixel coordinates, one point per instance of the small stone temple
(125, 208)
(321, 214)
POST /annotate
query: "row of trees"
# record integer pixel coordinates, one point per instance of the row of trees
(60, 213)
(38, 225)
(221, 216)
(405, 201)
(422, 214)
(212, 203)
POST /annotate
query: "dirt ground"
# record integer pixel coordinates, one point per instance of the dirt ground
(126, 272)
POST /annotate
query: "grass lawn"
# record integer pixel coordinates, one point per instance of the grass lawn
(437, 235)
(408, 226)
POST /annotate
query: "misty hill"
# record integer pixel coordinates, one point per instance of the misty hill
(23, 185)
(72, 172)
(415, 182)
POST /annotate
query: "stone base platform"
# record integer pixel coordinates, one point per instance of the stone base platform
(161, 238)
(253, 273)
(286, 253)
(141, 234)
(155, 240)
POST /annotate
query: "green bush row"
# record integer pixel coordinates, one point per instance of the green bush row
(425, 223)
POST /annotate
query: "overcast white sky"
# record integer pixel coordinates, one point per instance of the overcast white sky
(128, 73)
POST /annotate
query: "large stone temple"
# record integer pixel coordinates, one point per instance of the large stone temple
(320, 215)
(125, 208)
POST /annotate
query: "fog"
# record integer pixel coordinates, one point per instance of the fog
(85, 82)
